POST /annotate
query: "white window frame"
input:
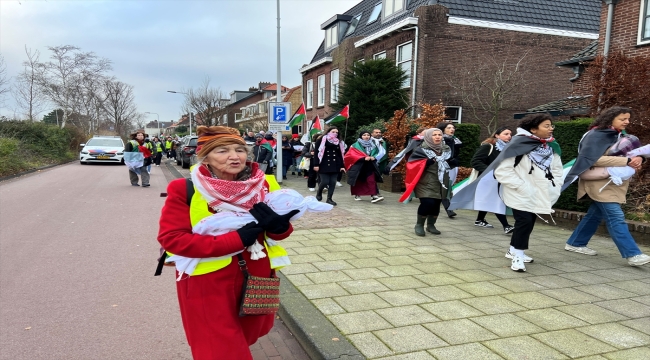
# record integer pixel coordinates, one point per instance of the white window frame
(310, 93)
(321, 90)
(379, 55)
(331, 36)
(389, 5)
(644, 22)
(334, 86)
(460, 114)
(238, 117)
(398, 62)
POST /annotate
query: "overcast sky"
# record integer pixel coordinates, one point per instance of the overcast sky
(160, 45)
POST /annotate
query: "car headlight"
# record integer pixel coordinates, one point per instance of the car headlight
(119, 153)
(84, 152)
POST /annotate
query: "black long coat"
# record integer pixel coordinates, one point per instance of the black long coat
(332, 161)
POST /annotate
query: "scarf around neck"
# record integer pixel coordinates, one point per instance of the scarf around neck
(441, 158)
(333, 139)
(367, 145)
(500, 145)
(542, 155)
(236, 196)
(456, 140)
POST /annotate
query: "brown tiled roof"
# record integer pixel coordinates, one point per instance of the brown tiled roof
(573, 105)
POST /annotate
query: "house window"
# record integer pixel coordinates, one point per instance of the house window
(353, 24)
(262, 108)
(310, 93)
(321, 90)
(238, 117)
(644, 22)
(374, 15)
(334, 81)
(381, 55)
(404, 56)
(331, 36)
(393, 7)
(453, 114)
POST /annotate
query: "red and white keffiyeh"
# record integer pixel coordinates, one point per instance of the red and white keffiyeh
(237, 196)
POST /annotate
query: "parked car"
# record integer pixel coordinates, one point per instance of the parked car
(185, 150)
(102, 149)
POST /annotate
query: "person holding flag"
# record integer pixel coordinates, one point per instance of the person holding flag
(362, 168)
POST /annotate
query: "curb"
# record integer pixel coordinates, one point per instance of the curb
(9, 177)
(311, 328)
(317, 335)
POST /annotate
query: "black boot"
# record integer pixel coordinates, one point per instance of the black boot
(330, 201)
(431, 225)
(451, 213)
(319, 194)
(419, 226)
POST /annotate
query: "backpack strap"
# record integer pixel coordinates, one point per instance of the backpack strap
(189, 191)
(517, 160)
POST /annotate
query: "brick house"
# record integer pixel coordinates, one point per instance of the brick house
(434, 39)
(244, 104)
(629, 34)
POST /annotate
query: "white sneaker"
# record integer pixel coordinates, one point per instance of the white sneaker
(312, 189)
(376, 198)
(638, 260)
(527, 259)
(357, 198)
(518, 264)
(483, 223)
(582, 250)
(339, 184)
(508, 229)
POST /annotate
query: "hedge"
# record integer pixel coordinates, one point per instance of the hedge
(469, 134)
(26, 145)
(568, 134)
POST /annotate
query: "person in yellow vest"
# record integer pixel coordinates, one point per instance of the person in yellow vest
(140, 143)
(159, 148)
(169, 143)
(210, 297)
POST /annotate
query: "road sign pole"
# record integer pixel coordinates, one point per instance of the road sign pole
(278, 94)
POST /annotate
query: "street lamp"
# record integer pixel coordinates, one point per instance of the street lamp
(157, 121)
(190, 114)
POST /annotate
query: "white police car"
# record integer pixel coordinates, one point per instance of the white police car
(102, 149)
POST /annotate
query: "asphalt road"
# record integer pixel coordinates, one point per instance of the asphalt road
(77, 255)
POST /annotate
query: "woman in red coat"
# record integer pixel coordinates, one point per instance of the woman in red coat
(210, 297)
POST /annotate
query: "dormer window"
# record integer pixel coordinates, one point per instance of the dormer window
(393, 7)
(331, 37)
(353, 24)
(374, 15)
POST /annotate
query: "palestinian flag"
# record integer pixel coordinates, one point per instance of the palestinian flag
(340, 115)
(315, 127)
(298, 117)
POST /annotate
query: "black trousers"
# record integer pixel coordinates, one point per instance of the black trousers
(502, 218)
(157, 159)
(524, 224)
(329, 180)
(312, 177)
(429, 206)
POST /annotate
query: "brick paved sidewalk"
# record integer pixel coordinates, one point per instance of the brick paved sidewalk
(279, 344)
(399, 296)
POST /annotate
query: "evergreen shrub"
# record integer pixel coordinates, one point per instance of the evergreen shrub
(469, 134)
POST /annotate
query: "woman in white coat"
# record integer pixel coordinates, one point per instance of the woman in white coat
(531, 180)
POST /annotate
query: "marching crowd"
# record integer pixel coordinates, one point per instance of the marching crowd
(516, 172)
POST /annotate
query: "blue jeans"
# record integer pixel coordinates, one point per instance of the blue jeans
(616, 226)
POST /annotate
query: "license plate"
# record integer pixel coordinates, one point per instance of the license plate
(103, 157)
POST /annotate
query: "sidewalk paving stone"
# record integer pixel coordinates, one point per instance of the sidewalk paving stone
(573, 343)
(396, 295)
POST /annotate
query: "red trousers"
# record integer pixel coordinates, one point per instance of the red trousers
(210, 311)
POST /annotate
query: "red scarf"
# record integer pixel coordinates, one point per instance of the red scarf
(231, 195)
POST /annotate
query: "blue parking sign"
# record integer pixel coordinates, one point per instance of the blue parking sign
(279, 114)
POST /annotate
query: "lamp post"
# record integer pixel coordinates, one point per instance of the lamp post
(189, 115)
(157, 121)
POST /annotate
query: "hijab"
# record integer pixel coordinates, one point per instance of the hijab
(368, 145)
(437, 148)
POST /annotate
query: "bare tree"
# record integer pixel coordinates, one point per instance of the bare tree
(27, 94)
(490, 87)
(59, 78)
(3, 77)
(205, 102)
(119, 104)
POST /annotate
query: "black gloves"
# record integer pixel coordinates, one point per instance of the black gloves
(249, 232)
(269, 220)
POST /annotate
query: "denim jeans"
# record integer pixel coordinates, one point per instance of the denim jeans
(616, 226)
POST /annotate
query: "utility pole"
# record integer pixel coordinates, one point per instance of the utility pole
(278, 92)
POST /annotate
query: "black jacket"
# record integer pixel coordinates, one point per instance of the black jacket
(261, 154)
(483, 158)
(332, 158)
(454, 161)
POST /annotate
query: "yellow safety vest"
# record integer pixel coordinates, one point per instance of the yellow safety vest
(278, 256)
(168, 145)
(159, 146)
